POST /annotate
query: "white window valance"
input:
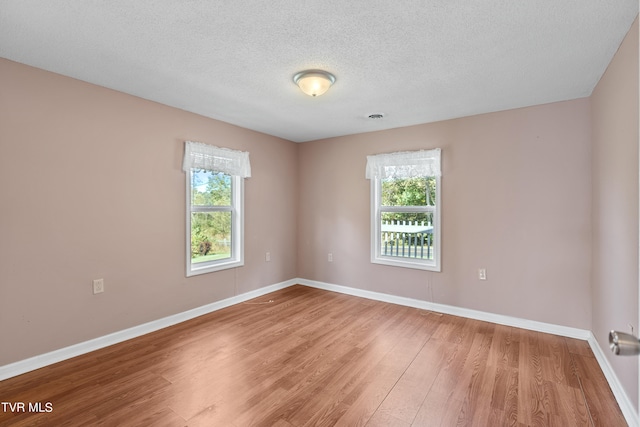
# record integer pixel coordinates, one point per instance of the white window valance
(208, 157)
(404, 164)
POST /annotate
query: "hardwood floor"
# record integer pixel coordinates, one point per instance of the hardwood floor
(317, 358)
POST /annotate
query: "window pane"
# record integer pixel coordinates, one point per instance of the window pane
(408, 235)
(419, 191)
(210, 188)
(210, 236)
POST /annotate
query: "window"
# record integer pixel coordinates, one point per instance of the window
(215, 214)
(405, 209)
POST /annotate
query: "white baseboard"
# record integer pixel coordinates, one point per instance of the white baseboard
(37, 362)
(532, 325)
(626, 406)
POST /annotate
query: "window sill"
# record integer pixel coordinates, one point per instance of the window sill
(405, 263)
(210, 268)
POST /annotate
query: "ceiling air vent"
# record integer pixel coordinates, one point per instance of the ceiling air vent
(376, 116)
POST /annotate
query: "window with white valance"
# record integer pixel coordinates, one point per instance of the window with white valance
(215, 207)
(208, 157)
(404, 164)
(405, 208)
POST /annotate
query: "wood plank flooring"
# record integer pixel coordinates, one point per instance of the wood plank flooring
(316, 358)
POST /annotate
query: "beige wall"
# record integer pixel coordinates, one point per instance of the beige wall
(91, 186)
(614, 106)
(515, 200)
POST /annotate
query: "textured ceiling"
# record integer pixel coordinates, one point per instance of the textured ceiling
(413, 61)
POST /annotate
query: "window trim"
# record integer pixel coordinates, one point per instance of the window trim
(237, 229)
(376, 240)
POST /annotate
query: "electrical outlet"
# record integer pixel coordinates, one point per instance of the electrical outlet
(482, 273)
(267, 257)
(98, 286)
(330, 257)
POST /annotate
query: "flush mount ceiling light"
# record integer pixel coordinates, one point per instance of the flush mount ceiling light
(314, 82)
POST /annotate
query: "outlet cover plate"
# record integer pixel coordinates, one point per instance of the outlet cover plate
(98, 286)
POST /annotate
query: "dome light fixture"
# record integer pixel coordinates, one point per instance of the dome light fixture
(314, 82)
